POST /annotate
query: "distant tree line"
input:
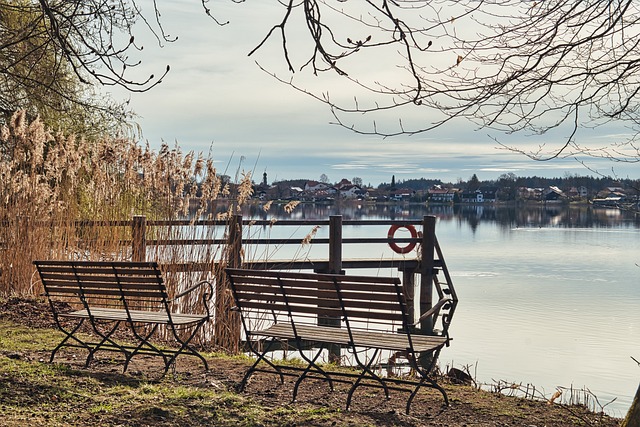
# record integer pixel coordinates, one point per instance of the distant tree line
(511, 180)
(505, 183)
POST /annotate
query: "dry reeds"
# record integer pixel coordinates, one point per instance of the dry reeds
(62, 197)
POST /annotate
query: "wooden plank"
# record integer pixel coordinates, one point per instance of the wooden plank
(272, 289)
(309, 293)
(68, 263)
(329, 294)
(292, 282)
(387, 306)
(140, 281)
(115, 293)
(325, 334)
(312, 296)
(104, 285)
(364, 315)
(310, 276)
(141, 316)
(313, 309)
(108, 277)
(281, 308)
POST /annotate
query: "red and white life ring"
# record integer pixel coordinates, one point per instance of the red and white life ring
(403, 249)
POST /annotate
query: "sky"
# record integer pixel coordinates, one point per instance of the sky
(217, 101)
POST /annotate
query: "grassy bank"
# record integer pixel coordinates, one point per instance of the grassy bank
(35, 392)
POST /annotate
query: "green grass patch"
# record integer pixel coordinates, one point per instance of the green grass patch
(34, 392)
(20, 338)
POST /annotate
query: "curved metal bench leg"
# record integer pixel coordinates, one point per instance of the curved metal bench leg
(425, 380)
(366, 373)
(185, 348)
(311, 365)
(144, 342)
(69, 335)
(106, 337)
(260, 358)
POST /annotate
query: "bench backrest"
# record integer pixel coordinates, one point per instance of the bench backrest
(138, 284)
(372, 303)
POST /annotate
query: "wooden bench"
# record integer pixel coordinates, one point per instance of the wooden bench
(365, 315)
(112, 296)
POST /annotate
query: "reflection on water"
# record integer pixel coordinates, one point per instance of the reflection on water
(550, 215)
(549, 295)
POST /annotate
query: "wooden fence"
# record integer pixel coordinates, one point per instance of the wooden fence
(418, 268)
(425, 263)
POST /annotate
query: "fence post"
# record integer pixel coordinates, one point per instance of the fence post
(227, 323)
(235, 240)
(139, 238)
(334, 267)
(335, 244)
(409, 287)
(427, 270)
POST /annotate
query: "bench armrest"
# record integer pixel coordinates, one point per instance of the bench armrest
(207, 295)
(433, 310)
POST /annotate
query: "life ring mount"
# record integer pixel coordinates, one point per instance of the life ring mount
(401, 249)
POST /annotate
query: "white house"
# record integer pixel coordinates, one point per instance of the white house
(437, 194)
(312, 186)
(351, 192)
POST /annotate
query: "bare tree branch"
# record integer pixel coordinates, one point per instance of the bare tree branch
(404, 67)
(506, 65)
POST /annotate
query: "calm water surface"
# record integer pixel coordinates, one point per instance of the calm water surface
(549, 296)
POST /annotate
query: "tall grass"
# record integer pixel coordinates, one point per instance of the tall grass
(57, 193)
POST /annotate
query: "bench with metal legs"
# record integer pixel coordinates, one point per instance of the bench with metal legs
(112, 296)
(366, 315)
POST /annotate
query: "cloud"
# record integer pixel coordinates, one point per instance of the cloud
(216, 98)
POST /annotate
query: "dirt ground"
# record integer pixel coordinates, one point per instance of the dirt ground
(468, 406)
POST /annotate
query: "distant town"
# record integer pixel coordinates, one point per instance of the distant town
(507, 188)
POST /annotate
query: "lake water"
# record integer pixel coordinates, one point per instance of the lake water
(549, 296)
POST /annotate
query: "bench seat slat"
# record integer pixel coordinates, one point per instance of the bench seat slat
(79, 267)
(114, 314)
(386, 341)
